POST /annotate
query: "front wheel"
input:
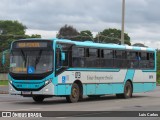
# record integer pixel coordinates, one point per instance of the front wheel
(38, 98)
(75, 93)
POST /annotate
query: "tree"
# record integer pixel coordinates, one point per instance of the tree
(68, 32)
(35, 36)
(111, 36)
(139, 45)
(158, 66)
(85, 35)
(10, 31)
(8, 27)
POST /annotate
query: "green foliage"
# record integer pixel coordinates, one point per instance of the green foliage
(12, 27)
(85, 35)
(158, 67)
(10, 31)
(68, 32)
(111, 36)
(158, 60)
(4, 68)
(34, 36)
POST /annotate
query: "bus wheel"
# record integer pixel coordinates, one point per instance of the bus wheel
(128, 90)
(75, 93)
(38, 98)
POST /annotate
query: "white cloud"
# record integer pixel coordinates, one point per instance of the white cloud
(43, 33)
(45, 17)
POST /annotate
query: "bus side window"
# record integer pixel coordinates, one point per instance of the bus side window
(77, 57)
(58, 58)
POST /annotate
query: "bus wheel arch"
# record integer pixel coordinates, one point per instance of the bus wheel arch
(128, 90)
(76, 92)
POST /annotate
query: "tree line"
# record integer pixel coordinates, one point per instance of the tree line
(13, 30)
(109, 35)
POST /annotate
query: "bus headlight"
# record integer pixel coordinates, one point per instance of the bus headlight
(48, 81)
(10, 82)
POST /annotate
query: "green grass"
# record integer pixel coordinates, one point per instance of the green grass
(3, 82)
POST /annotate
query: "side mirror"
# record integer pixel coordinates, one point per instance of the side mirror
(63, 56)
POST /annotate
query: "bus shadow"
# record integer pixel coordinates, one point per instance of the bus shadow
(85, 99)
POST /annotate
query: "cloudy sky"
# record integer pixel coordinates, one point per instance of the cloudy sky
(45, 17)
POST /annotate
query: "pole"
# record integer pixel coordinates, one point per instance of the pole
(123, 19)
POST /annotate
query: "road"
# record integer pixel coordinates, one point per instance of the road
(149, 101)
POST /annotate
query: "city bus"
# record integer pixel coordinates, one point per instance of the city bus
(42, 68)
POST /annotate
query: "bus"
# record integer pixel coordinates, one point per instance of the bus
(42, 68)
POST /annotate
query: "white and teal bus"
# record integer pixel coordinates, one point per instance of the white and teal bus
(41, 68)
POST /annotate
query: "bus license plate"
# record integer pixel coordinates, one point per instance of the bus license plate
(26, 92)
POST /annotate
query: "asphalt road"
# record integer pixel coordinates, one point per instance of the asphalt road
(149, 101)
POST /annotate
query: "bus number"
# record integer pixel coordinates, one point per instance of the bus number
(77, 75)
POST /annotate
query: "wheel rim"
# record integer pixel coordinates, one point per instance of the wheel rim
(128, 90)
(74, 93)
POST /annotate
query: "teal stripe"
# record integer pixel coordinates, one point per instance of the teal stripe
(129, 75)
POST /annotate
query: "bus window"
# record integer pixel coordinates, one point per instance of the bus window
(77, 57)
(107, 58)
(120, 59)
(58, 58)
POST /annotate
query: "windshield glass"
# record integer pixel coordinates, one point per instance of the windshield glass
(31, 62)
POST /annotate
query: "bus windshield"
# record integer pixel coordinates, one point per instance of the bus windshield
(31, 61)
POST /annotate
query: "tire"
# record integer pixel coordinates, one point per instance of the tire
(75, 94)
(128, 90)
(38, 98)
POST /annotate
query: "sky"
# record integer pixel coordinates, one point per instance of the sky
(46, 17)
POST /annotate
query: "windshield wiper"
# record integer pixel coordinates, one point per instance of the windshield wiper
(24, 57)
(38, 58)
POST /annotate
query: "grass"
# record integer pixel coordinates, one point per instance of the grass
(3, 82)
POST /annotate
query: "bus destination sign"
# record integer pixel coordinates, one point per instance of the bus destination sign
(31, 44)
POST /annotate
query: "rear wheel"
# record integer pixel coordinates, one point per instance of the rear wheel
(75, 94)
(127, 91)
(38, 98)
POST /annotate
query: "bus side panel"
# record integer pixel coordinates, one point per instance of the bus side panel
(91, 89)
(104, 89)
(118, 88)
(138, 87)
(149, 86)
(63, 89)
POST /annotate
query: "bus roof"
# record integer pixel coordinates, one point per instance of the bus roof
(100, 45)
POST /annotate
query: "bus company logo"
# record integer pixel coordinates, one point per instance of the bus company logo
(6, 114)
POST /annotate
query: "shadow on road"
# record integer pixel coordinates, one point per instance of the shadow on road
(62, 100)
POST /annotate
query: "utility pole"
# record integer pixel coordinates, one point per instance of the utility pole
(123, 20)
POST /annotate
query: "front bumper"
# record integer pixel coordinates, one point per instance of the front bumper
(46, 90)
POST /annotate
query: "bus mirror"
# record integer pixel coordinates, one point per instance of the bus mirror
(63, 56)
(3, 58)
